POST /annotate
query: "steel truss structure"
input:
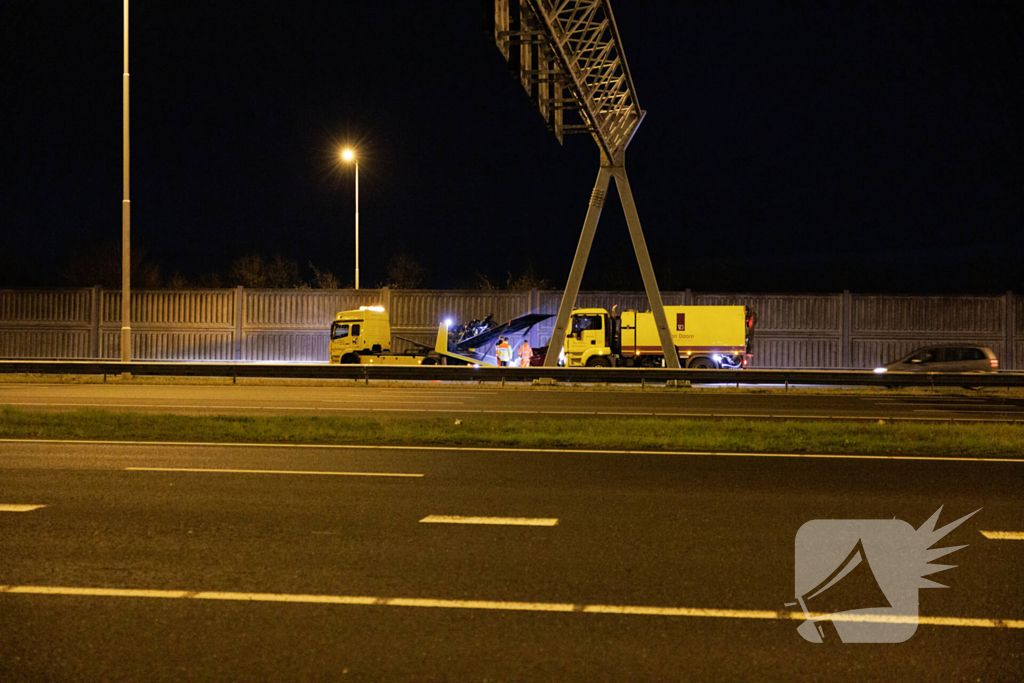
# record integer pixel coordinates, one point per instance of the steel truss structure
(568, 56)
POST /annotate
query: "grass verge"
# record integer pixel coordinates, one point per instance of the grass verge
(643, 433)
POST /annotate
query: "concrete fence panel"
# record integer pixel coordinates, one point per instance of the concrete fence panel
(793, 330)
(972, 315)
(38, 342)
(46, 306)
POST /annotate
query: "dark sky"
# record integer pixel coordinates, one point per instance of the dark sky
(796, 146)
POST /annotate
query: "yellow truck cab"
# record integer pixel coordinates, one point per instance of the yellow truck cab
(704, 336)
(587, 339)
(354, 333)
(363, 337)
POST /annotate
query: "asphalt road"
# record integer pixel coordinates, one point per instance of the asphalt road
(358, 399)
(665, 532)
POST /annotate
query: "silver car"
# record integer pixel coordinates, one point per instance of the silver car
(947, 358)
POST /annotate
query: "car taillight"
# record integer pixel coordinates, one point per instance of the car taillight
(994, 362)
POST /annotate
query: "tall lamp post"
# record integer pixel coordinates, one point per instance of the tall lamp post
(126, 286)
(349, 156)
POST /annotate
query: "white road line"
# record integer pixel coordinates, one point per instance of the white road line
(19, 508)
(106, 405)
(350, 409)
(1004, 535)
(510, 521)
(494, 449)
(969, 409)
(484, 449)
(387, 391)
(335, 474)
(391, 400)
(929, 402)
(633, 413)
(505, 605)
(213, 406)
(417, 410)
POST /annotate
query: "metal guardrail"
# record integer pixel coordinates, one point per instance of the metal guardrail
(502, 375)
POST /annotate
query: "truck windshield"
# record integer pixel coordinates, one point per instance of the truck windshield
(586, 322)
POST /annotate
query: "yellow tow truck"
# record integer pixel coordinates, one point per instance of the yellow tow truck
(363, 336)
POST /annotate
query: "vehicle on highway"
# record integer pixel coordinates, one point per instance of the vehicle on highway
(363, 337)
(946, 358)
(706, 337)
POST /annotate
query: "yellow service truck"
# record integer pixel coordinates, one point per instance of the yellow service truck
(705, 337)
(363, 336)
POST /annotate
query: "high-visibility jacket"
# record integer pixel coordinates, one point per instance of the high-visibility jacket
(504, 352)
(525, 353)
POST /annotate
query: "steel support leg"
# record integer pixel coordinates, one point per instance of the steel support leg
(643, 258)
(572, 288)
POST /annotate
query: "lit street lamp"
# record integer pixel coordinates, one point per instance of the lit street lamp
(349, 156)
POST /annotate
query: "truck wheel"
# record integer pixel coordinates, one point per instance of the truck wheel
(702, 364)
(431, 360)
(349, 359)
(599, 362)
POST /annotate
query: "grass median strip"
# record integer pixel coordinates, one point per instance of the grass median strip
(609, 433)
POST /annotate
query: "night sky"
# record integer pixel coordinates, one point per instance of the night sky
(788, 146)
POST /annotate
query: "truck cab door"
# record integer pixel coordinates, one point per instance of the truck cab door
(585, 333)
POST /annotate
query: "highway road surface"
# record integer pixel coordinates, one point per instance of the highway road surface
(162, 562)
(357, 399)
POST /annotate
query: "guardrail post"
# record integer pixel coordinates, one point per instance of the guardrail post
(239, 321)
(96, 313)
(687, 298)
(1010, 327)
(847, 326)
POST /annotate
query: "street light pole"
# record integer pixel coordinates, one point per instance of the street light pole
(126, 285)
(348, 155)
(357, 224)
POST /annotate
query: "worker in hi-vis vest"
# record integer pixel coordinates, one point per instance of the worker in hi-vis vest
(525, 353)
(504, 352)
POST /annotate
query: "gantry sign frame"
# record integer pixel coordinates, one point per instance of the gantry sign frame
(569, 57)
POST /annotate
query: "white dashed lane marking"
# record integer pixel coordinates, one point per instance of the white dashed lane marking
(19, 508)
(227, 471)
(1004, 535)
(511, 521)
(509, 606)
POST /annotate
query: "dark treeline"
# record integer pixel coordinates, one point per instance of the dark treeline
(922, 271)
(101, 265)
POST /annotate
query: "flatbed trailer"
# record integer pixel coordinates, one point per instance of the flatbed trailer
(363, 337)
